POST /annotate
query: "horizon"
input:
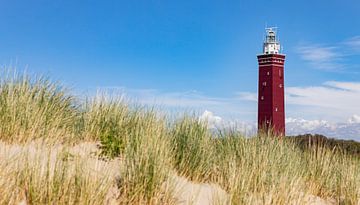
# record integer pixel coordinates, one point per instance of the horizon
(196, 55)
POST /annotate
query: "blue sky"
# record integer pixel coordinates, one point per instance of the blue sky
(193, 54)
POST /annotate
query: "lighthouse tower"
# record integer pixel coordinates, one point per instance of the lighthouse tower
(271, 109)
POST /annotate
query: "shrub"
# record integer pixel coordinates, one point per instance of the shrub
(309, 141)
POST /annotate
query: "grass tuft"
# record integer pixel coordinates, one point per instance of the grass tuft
(141, 150)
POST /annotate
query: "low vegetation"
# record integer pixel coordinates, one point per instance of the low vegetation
(137, 150)
(309, 141)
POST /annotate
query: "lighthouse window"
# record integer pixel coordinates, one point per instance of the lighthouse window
(276, 109)
(264, 83)
(280, 86)
(262, 97)
(268, 73)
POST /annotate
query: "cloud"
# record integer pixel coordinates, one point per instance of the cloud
(354, 119)
(248, 96)
(331, 97)
(295, 126)
(212, 120)
(217, 122)
(331, 57)
(353, 43)
(322, 57)
(302, 124)
(318, 53)
(343, 130)
(349, 86)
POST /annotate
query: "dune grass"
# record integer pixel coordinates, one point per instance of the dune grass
(150, 147)
(32, 108)
(37, 174)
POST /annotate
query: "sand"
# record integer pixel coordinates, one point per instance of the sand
(184, 191)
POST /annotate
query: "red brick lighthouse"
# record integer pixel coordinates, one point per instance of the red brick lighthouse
(271, 109)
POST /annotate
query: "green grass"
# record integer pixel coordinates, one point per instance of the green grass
(192, 148)
(35, 108)
(262, 169)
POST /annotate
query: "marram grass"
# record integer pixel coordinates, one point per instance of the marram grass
(139, 149)
(35, 108)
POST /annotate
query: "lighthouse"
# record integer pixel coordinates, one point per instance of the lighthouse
(271, 108)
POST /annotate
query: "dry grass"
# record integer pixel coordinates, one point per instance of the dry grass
(42, 159)
(35, 108)
(40, 174)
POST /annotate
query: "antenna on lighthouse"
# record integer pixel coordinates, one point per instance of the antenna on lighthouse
(271, 42)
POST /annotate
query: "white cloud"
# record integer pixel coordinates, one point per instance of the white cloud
(344, 130)
(246, 128)
(212, 120)
(322, 57)
(333, 57)
(331, 99)
(354, 119)
(350, 86)
(248, 96)
(318, 53)
(306, 125)
(353, 43)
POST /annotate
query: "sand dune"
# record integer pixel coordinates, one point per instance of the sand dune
(183, 191)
